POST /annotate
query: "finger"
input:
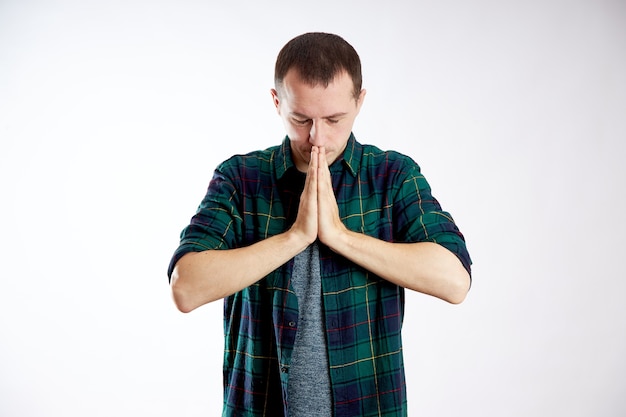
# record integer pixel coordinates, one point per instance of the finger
(322, 157)
(315, 151)
(309, 194)
(306, 219)
(312, 167)
(312, 174)
(329, 222)
(324, 178)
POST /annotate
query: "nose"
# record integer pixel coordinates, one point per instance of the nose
(317, 134)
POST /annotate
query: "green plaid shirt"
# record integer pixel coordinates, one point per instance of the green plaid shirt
(254, 196)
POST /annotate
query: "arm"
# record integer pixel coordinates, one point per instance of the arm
(425, 266)
(199, 278)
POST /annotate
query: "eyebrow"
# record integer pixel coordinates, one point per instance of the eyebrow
(332, 116)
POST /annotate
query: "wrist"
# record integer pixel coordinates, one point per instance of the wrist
(298, 240)
(339, 240)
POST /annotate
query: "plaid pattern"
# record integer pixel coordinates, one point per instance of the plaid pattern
(254, 196)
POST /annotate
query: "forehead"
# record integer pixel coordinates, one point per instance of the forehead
(297, 93)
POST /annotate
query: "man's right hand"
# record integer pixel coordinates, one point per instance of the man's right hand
(306, 224)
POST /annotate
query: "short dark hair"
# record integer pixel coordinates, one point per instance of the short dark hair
(319, 58)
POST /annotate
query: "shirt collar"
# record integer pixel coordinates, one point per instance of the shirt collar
(352, 155)
(351, 158)
(283, 161)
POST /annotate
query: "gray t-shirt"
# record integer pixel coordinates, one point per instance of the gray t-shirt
(308, 390)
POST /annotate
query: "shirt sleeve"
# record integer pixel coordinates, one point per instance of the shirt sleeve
(216, 222)
(421, 218)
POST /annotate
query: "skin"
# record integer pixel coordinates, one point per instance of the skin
(317, 116)
(318, 121)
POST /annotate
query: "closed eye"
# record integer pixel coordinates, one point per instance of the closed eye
(302, 120)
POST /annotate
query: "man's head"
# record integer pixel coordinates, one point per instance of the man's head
(318, 58)
(318, 94)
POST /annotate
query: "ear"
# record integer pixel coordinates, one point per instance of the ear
(275, 99)
(359, 102)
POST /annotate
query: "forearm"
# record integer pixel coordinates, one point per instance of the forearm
(425, 267)
(202, 277)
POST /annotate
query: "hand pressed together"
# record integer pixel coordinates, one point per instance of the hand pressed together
(318, 213)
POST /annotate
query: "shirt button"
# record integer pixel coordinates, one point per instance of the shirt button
(292, 324)
(284, 369)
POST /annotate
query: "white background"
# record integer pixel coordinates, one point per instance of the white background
(113, 115)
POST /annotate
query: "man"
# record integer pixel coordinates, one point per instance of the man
(311, 244)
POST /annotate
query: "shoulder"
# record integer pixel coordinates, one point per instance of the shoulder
(253, 163)
(377, 159)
